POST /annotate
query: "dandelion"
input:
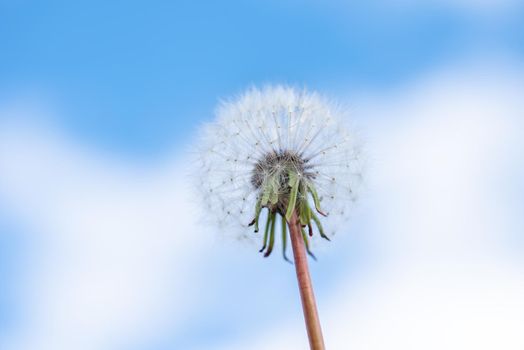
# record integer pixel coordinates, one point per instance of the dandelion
(281, 155)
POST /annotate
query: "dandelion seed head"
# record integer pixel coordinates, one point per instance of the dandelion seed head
(247, 155)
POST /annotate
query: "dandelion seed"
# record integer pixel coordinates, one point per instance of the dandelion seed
(267, 137)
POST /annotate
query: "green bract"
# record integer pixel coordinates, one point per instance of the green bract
(285, 186)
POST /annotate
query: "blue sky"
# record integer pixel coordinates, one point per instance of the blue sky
(135, 77)
(100, 102)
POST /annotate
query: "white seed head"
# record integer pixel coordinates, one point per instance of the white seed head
(259, 138)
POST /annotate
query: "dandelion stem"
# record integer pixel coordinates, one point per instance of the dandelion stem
(309, 306)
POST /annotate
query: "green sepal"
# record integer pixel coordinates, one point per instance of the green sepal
(266, 232)
(319, 225)
(294, 183)
(265, 194)
(273, 198)
(271, 235)
(306, 243)
(284, 238)
(258, 209)
(314, 194)
(305, 212)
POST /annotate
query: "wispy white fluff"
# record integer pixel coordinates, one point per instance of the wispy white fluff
(270, 121)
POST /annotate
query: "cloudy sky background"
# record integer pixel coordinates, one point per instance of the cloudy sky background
(100, 247)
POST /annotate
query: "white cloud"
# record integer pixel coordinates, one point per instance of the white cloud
(445, 151)
(111, 244)
(114, 244)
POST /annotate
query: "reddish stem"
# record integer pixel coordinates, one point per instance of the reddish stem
(309, 306)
